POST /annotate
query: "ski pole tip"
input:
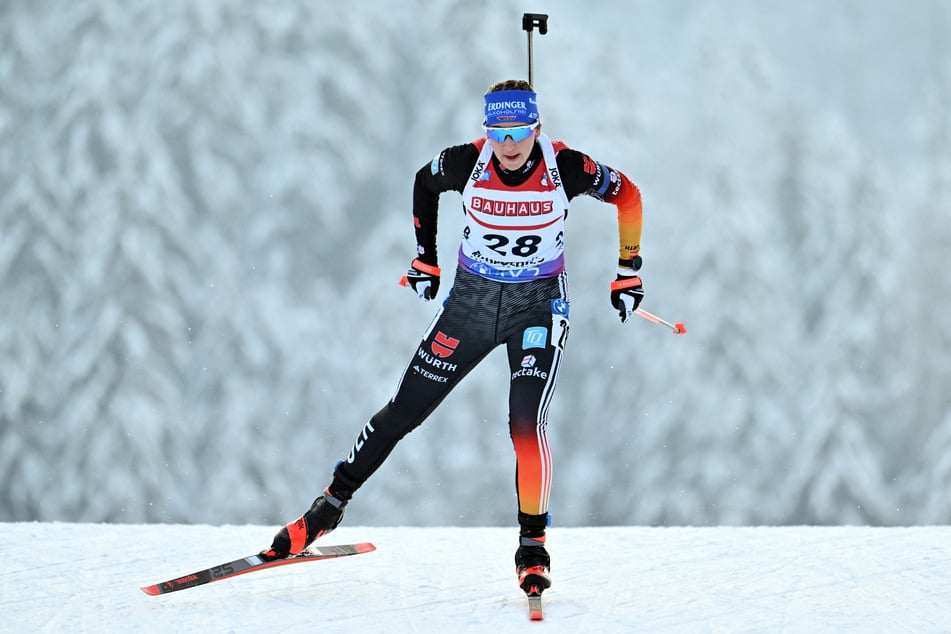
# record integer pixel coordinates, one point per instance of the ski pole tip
(680, 329)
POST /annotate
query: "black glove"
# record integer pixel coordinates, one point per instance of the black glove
(627, 290)
(423, 278)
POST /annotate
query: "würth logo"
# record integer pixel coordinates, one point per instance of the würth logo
(444, 345)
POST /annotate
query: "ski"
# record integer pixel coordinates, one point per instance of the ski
(535, 612)
(252, 563)
(533, 581)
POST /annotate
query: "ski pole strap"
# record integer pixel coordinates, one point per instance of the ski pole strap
(422, 267)
(627, 282)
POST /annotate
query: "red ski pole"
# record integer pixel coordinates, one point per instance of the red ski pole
(678, 328)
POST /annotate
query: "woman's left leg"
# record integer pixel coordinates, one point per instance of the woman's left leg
(535, 354)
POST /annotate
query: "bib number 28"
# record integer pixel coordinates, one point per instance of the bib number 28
(525, 246)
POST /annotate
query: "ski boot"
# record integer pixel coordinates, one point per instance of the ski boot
(532, 564)
(323, 516)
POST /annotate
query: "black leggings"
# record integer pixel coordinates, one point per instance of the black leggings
(531, 320)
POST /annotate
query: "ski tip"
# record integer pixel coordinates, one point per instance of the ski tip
(535, 615)
(365, 547)
(151, 590)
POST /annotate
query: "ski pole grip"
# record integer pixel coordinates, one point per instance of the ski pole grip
(421, 266)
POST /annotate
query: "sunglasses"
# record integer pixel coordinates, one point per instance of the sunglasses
(518, 133)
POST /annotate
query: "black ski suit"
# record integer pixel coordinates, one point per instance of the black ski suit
(529, 317)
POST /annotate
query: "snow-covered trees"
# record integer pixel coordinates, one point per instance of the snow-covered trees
(204, 209)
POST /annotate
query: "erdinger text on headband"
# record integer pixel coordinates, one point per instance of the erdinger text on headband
(510, 106)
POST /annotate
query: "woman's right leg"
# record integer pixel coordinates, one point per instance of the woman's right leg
(448, 351)
(457, 340)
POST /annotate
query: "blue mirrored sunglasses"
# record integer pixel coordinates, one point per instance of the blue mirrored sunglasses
(517, 133)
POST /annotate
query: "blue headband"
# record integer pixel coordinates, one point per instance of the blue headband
(510, 106)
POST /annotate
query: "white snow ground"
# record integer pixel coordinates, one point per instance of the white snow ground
(60, 577)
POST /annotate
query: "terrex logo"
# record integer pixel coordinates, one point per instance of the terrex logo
(443, 345)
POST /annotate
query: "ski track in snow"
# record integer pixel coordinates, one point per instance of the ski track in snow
(86, 578)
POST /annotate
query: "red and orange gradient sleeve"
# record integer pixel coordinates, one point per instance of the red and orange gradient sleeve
(627, 199)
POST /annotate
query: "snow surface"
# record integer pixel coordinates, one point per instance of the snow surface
(59, 577)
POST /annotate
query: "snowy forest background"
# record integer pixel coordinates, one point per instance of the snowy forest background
(205, 208)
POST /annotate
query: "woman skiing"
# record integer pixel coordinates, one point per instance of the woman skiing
(510, 289)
